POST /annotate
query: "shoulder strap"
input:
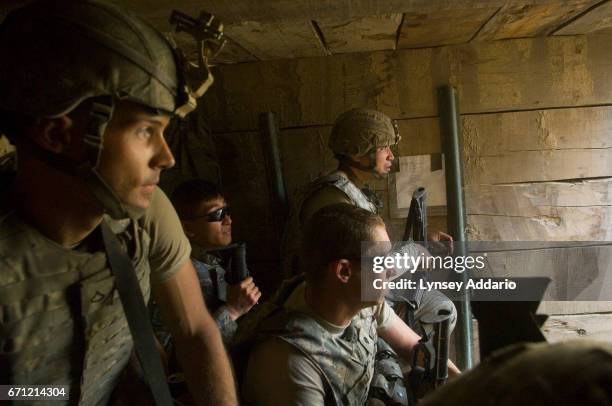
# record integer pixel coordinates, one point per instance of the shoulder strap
(137, 317)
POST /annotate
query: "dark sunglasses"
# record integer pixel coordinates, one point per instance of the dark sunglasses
(215, 216)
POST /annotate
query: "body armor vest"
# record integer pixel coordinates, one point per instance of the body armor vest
(292, 236)
(340, 181)
(346, 362)
(61, 320)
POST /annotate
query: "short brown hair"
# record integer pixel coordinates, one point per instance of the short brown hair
(336, 232)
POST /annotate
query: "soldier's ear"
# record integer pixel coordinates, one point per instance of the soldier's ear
(343, 270)
(53, 134)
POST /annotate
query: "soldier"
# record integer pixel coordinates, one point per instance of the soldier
(205, 217)
(362, 142)
(319, 336)
(86, 90)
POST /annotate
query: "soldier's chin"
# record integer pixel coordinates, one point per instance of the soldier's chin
(136, 211)
(136, 207)
(141, 201)
(381, 175)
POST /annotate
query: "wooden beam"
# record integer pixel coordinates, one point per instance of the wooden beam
(288, 10)
(520, 131)
(444, 27)
(566, 224)
(596, 20)
(316, 91)
(523, 20)
(574, 307)
(541, 145)
(577, 273)
(537, 199)
(371, 33)
(581, 327)
(541, 130)
(500, 76)
(537, 166)
(276, 40)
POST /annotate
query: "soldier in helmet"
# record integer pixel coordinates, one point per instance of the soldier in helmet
(86, 91)
(362, 141)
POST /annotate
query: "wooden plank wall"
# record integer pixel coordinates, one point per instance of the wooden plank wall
(536, 124)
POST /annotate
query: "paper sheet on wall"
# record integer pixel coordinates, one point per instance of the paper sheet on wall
(421, 170)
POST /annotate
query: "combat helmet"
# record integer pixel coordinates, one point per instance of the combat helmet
(359, 132)
(58, 53)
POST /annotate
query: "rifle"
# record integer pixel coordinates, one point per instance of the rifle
(236, 270)
(432, 349)
(416, 222)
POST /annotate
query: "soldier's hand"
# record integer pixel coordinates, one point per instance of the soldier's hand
(241, 297)
(440, 242)
(453, 371)
(439, 236)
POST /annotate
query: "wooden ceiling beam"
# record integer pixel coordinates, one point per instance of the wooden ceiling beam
(597, 18)
(362, 34)
(530, 20)
(234, 11)
(447, 27)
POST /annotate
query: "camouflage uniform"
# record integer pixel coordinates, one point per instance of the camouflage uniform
(211, 276)
(345, 362)
(61, 320)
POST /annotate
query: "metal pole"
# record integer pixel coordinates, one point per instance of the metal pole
(448, 107)
(269, 130)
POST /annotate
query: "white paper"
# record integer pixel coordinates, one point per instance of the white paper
(416, 171)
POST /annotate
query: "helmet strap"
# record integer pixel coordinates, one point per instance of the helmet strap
(100, 114)
(351, 163)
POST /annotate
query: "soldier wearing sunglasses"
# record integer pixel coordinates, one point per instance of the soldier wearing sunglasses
(207, 223)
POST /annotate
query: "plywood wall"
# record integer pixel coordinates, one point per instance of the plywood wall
(536, 127)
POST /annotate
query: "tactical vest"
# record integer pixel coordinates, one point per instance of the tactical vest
(61, 320)
(340, 181)
(292, 236)
(346, 362)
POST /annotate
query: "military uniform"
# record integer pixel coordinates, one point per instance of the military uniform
(211, 276)
(337, 188)
(314, 361)
(61, 320)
